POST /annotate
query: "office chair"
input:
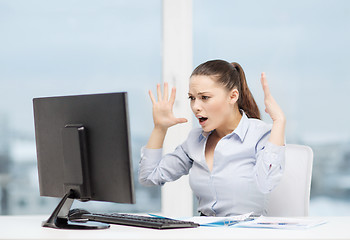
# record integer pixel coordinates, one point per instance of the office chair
(291, 196)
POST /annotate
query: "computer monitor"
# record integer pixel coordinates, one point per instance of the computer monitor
(83, 151)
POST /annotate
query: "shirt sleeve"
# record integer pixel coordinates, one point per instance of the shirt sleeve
(270, 161)
(157, 170)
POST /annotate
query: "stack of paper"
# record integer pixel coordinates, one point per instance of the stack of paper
(246, 220)
(220, 221)
(281, 223)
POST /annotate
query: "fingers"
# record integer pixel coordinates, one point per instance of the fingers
(181, 120)
(172, 96)
(264, 84)
(151, 96)
(159, 93)
(166, 94)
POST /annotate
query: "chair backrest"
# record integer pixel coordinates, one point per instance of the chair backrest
(291, 196)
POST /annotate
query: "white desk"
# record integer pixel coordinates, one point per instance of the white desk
(29, 227)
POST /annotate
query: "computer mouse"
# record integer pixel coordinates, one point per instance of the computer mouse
(76, 214)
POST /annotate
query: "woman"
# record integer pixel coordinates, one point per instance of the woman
(234, 160)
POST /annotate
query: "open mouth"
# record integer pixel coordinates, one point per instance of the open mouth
(202, 119)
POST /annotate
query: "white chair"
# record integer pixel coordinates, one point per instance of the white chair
(291, 196)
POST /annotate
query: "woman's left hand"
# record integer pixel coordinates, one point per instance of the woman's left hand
(271, 106)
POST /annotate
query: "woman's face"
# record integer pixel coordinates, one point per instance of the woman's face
(211, 102)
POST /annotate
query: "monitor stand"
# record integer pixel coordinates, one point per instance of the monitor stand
(76, 179)
(59, 217)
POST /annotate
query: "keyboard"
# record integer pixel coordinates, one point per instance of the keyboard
(139, 221)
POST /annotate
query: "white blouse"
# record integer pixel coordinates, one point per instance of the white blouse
(246, 168)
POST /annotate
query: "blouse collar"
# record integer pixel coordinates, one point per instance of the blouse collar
(240, 131)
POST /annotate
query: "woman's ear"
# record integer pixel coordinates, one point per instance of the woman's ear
(234, 95)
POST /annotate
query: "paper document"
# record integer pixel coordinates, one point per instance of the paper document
(281, 223)
(214, 221)
(220, 221)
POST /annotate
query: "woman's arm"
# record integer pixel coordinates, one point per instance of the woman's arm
(163, 116)
(270, 152)
(155, 169)
(273, 109)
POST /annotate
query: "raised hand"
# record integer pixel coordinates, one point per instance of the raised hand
(271, 106)
(276, 114)
(163, 116)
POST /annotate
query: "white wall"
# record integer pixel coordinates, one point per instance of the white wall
(177, 67)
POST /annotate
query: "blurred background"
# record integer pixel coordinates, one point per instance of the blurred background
(52, 48)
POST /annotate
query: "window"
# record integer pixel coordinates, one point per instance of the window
(303, 46)
(53, 48)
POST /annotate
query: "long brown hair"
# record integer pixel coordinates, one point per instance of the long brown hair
(231, 75)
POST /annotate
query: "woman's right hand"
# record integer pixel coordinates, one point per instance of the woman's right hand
(163, 116)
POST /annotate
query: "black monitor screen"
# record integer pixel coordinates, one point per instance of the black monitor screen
(104, 144)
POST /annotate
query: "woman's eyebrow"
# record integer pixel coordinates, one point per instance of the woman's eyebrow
(199, 93)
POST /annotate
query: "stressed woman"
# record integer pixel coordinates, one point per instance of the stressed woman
(234, 160)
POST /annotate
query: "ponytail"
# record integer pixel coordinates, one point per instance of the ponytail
(246, 100)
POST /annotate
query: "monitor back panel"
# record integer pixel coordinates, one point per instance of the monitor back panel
(105, 116)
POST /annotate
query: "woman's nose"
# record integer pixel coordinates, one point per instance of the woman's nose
(196, 106)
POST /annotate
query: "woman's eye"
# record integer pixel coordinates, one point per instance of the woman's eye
(205, 97)
(191, 98)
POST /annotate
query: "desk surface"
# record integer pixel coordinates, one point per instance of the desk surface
(29, 227)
